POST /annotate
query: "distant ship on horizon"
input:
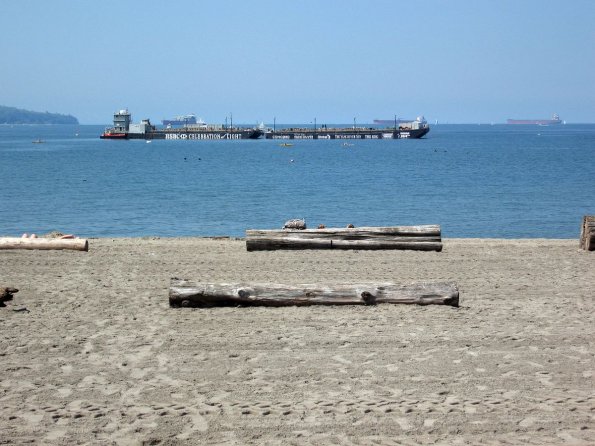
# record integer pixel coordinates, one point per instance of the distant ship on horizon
(395, 121)
(181, 120)
(555, 120)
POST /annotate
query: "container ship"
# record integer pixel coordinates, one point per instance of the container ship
(124, 129)
(405, 130)
(555, 120)
(180, 120)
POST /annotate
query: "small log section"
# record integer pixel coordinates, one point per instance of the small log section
(187, 293)
(421, 238)
(77, 244)
(588, 233)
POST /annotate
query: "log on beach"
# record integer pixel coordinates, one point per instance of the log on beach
(43, 243)
(421, 238)
(587, 241)
(187, 293)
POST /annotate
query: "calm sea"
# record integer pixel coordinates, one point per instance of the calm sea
(474, 180)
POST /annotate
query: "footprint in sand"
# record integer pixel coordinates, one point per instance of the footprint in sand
(197, 424)
(527, 422)
(32, 418)
(55, 434)
(429, 422)
(64, 392)
(340, 359)
(404, 424)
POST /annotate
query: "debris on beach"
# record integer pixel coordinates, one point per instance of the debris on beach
(6, 294)
(296, 223)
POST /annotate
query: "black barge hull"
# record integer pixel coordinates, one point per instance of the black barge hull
(348, 133)
(182, 135)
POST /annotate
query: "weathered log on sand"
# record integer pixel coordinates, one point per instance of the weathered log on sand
(187, 293)
(77, 244)
(587, 241)
(422, 238)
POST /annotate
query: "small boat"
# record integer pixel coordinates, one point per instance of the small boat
(38, 141)
(286, 144)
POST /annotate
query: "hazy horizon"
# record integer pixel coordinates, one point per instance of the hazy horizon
(279, 123)
(452, 61)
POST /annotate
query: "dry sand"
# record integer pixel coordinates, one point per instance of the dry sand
(100, 358)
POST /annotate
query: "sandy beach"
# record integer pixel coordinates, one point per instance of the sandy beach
(100, 358)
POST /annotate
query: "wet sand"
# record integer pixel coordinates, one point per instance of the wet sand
(100, 358)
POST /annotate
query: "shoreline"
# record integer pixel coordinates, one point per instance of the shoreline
(100, 357)
(243, 239)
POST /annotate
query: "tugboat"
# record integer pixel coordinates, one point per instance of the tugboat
(124, 129)
(405, 130)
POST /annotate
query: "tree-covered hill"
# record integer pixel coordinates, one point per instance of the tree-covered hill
(12, 115)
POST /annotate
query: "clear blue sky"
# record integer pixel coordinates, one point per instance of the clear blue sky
(451, 60)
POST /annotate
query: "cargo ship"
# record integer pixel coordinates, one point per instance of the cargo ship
(180, 120)
(124, 129)
(555, 120)
(395, 121)
(405, 130)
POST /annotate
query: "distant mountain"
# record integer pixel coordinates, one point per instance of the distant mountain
(12, 115)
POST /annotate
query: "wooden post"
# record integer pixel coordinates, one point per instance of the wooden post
(587, 241)
(423, 238)
(43, 243)
(187, 293)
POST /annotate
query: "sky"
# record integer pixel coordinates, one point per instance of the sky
(455, 61)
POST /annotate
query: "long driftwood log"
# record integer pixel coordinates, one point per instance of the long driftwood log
(187, 293)
(77, 244)
(422, 238)
(587, 241)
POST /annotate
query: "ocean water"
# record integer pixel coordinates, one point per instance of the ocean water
(474, 180)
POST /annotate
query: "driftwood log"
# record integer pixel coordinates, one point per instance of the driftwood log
(187, 293)
(77, 244)
(587, 241)
(422, 238)
(6, 294)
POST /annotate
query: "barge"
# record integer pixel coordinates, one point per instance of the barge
(405, 130)
(124, 129)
